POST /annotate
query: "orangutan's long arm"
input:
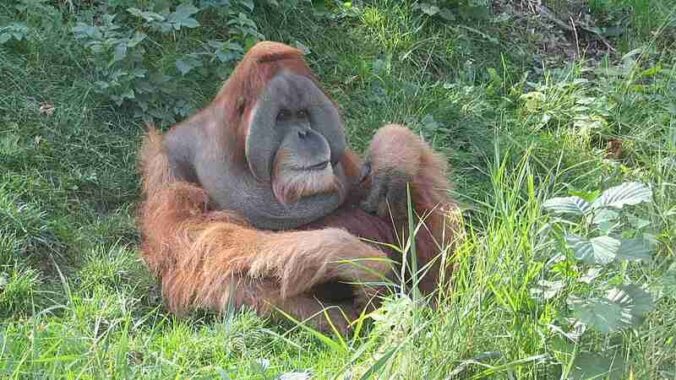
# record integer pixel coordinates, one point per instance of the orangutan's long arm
(207, 259)
(397, 158)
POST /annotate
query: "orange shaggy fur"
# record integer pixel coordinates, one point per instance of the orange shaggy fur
(210, 259)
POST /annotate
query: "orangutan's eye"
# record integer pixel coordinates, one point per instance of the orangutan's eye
(283, 115)
(302, 114)
(365, 171)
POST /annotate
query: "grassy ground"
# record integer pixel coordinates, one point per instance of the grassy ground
(523, 108)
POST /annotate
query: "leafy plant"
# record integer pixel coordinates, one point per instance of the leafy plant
(597, 232)
(15, 31)
(449, 9)
(124, 46)
(166, 21)
(601, 219)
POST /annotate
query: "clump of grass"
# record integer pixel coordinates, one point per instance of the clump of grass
(114, 268)
(19, 286)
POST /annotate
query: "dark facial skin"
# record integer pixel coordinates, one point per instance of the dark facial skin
(308, 149)
(292, 115)
(290, 106)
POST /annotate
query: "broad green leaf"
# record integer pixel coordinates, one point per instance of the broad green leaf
(598, 250)
(249, 4)
(591, 275)
(590, 365)
(120, 51)
(585, 123)
(446, 14)
(226, 51)
(605, 215)
(573, 334)
(632, 54)
(637, 222)
(429, 9)
(606, 220)
(187, 63)
(82, 31)
(607, 228)
(215, 3)
(633, 300)
(186, 10)
(146, 15)
(182, 16)
(17, 31)
(628, 193)
(547, 289)
(136, 39)
(600, 314)
(305, 375)
(622, 307)
(635, 249)
(567, 205)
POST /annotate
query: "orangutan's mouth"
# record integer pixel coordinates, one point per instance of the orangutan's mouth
(316, 167)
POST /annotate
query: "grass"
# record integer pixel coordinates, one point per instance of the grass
(519, 123)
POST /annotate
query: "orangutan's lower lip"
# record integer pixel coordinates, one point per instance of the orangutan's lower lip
(320, 166)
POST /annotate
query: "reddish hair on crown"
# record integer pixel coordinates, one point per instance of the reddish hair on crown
(239, 94)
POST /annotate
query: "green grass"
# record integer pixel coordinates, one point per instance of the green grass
(76, 302)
